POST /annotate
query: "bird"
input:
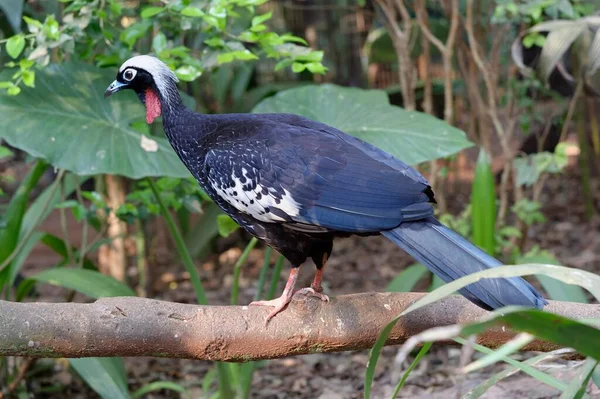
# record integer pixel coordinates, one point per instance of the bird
(297, 184)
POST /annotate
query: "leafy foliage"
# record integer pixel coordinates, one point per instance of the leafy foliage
(413, 137)
(228, 31)
(48, 122)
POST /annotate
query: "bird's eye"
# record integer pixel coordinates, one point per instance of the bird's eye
(129, 74)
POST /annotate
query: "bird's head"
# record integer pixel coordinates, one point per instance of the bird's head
(153, 82)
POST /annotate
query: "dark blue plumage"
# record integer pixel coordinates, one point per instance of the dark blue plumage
(297, 184)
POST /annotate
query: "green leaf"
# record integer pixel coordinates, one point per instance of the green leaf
(13, 91)
(522, 366)
(546, 326)
(13, 10)
(259, 19)
(59, 246)
(135, 31)
(226, 225)
(159, 43)
(556, 45)
(15, 45)
(66, 121)
(29, 78)
(33, 25)
(556, 289)
(407, 279)
(298, 67)
(413, 137)
(480, 389)
(157, 386)
(582, 278)
(483, 205)
(15, 211)
(106, 376)
(5, 152)
(149, 12)
(88, 282)
(507, 349)
(192, 12)
(188, 73)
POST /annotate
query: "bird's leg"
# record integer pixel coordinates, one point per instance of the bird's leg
(315, 288)
(285, 297)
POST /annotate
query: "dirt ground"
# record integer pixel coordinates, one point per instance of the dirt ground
(358, 265)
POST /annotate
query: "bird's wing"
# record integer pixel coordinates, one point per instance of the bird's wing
(313, 177)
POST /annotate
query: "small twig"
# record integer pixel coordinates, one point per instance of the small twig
(570, 110)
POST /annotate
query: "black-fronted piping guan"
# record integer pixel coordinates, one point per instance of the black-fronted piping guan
(296, 184)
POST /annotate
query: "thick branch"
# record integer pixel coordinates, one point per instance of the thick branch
(131, 326)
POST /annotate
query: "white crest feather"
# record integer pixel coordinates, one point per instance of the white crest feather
(161, 73)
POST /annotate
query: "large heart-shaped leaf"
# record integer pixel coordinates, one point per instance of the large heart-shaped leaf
(13, 9)
(413, 137)
(66, 121)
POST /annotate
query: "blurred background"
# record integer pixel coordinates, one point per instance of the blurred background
(94, 202)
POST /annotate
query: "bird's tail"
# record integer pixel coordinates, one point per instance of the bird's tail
(450, 257)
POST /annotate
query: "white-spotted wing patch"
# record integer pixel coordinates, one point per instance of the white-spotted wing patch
(260, 202)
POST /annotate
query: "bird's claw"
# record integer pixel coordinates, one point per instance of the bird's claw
(278, 304)
(310, 291)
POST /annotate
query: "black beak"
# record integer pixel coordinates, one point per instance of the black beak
(114, 87)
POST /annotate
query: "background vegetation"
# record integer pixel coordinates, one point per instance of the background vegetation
(517, 76)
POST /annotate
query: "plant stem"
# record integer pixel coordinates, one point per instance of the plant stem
(237, 270)
(84, 230)
(263, 274)
(64, 227)
(584, 161)
(225, 391)
(186, 258)
(140, 246)
(275, 277)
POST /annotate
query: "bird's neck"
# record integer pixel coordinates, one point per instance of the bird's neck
(171, 102)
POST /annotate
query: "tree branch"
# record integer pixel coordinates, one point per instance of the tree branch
(129, 326)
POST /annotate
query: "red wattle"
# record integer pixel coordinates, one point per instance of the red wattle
(153, 108)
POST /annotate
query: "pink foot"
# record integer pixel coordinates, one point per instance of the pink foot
(278, 304)
(309, 291)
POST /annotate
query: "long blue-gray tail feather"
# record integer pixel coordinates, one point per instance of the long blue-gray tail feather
(450, 256)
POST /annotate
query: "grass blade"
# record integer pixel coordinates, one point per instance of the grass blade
(275, 277)
(505, 350)
(483, 204)
(587, 280)
(526, 368)
(15, 212)
(480, 389)
(89, 282)
(106, 376)
(157, 386)
(237, 270)
(407, 279)
(577, 386)
(422, 352)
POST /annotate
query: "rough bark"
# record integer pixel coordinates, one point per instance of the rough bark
(129, 326)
